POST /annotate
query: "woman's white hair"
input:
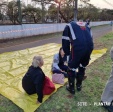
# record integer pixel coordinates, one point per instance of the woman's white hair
(37, 61)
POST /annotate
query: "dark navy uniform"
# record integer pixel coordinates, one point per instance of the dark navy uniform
(78, 35)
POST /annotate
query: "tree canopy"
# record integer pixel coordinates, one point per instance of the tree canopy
(43, 11)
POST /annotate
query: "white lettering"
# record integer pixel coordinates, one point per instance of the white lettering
(82, 103)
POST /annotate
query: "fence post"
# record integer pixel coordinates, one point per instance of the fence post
(75, 11)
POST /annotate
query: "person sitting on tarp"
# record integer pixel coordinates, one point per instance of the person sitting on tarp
(33, 80)
(107, 96)
(59, 64)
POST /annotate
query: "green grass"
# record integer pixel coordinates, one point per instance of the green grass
(98, 74)
(100, 26)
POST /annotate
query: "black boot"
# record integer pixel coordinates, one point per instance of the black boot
(72, 91)
(80, 78)
(79, 82)
(71, 82)
(79, 88)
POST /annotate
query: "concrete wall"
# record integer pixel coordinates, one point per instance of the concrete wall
(15, 31)
(99, 23)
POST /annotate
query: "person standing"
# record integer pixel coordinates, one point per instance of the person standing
(88, 21)
(79, 36)
(107, 95)
(111, 23)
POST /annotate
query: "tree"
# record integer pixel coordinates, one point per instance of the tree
(12, 12)
(87, 11)
(106, 14)
(3, 6)
(68, 12)
(31, 14)
(52, 12)
(43, 4)
(54, 2)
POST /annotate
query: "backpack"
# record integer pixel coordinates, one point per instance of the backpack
(58, 78)
(48, 86)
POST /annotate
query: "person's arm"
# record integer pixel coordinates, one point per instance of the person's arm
(66, 41)
(39, 86)
(55, 62)
(91, 33)
(89, 28)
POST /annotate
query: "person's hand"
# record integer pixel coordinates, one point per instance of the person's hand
(62, 71)
(38, 102)
(65, 63)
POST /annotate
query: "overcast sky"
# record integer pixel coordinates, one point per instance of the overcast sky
(102, 3)
(97, 3)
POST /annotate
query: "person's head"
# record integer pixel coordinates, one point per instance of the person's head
(37, 61)
(61, 52)
(80, 20)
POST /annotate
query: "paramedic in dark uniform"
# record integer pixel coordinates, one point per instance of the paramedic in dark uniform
(79, 36)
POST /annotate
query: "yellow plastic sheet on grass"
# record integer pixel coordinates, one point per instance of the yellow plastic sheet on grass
(13, 66)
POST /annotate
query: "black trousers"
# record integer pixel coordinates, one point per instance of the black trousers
(78, 59)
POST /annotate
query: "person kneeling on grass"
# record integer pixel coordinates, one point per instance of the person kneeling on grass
(33, 80)
(59, 64)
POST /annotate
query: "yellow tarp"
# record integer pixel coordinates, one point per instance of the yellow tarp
(13, 66)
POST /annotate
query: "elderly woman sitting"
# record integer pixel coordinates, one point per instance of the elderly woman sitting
(33, 80)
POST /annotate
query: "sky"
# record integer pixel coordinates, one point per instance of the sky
(97, 3)
(102, 3)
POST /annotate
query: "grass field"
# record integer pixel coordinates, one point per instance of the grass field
(98, 74)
